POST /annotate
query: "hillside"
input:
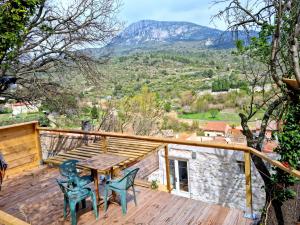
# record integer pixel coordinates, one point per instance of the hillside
(150, 35)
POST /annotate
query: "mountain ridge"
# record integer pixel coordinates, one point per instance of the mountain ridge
(151, 35)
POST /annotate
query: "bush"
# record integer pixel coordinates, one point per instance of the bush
(214, 113)
(44, 121)
(221, 84)
(154, 185)
(167, 106)
(5, 111)
(94, 113)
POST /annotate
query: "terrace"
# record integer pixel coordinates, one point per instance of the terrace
(30, 194)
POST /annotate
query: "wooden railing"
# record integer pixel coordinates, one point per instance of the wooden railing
(20, 145)
(247, 154)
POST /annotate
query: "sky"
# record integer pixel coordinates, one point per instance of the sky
(196, 11)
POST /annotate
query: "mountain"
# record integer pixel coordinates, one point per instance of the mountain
(154, 35)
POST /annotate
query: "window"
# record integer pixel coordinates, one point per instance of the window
(241, 166)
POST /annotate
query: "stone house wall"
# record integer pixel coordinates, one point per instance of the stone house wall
(215, 176)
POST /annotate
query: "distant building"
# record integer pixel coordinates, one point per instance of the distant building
(236, 135)
(167, 133)
(213, 129)
(19, 108)
(271, 127)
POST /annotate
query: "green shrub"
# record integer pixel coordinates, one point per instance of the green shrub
(154, 185)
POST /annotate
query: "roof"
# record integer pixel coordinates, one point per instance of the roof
(19, 104)
(216, 126)
(235, 132)
(272, 125)
(269, 146)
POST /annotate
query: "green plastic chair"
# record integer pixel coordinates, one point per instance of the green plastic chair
(68, 169)
(75, 195)
(121, 186)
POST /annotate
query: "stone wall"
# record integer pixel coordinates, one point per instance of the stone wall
(215, 176)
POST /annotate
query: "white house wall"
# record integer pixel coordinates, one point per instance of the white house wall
(213, 134)
(214, 176)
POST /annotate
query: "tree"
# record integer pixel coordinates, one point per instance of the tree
(167, 107)
(214, 113)
(63, 103)
(270, 56)
(41, 39)
(187, 98)
(94, 113)
(147, 111)
(140, 113)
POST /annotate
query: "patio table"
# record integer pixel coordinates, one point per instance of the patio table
(101, 162)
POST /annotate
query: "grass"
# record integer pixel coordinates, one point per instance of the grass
(230, 117)
(7, 119)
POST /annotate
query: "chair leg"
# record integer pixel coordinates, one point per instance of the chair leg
(77, 207)
(105, 198)
(65, 207)
(73, 213)
(134, 196)
(83, 204)
(124, 202)
(94, 203)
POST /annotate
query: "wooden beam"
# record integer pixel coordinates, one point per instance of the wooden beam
(8, 219)
(167, 169)
(38, 143)
(104, 144)
(292, 83)
(17, 125)
(276, 163)
(182, 142)
(247, 158)
(152, 139)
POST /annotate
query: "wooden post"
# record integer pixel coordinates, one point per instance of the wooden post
(104, 144)
(249, 211)
(167, 168)
(38, 143)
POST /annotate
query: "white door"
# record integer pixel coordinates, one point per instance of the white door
(179, 177)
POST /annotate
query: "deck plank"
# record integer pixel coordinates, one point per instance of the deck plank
(36, 198)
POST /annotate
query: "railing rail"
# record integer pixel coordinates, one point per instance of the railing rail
(234, 147)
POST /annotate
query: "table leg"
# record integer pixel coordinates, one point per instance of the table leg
(96, 183)
(113, 194)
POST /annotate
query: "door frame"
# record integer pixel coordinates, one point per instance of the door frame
(176, 190)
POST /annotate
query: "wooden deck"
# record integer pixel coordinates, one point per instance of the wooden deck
(35, 197)
(135, 150)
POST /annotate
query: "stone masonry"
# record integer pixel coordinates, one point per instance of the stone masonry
(215, 176)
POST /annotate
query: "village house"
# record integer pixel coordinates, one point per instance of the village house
(211, 175)
(19, 108)
(213, 129)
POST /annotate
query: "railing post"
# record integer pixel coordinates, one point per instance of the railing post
(249, 207)
(104, 144)
(167, 168)
(38, 143)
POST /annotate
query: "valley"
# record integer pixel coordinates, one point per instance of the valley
(184, 69)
